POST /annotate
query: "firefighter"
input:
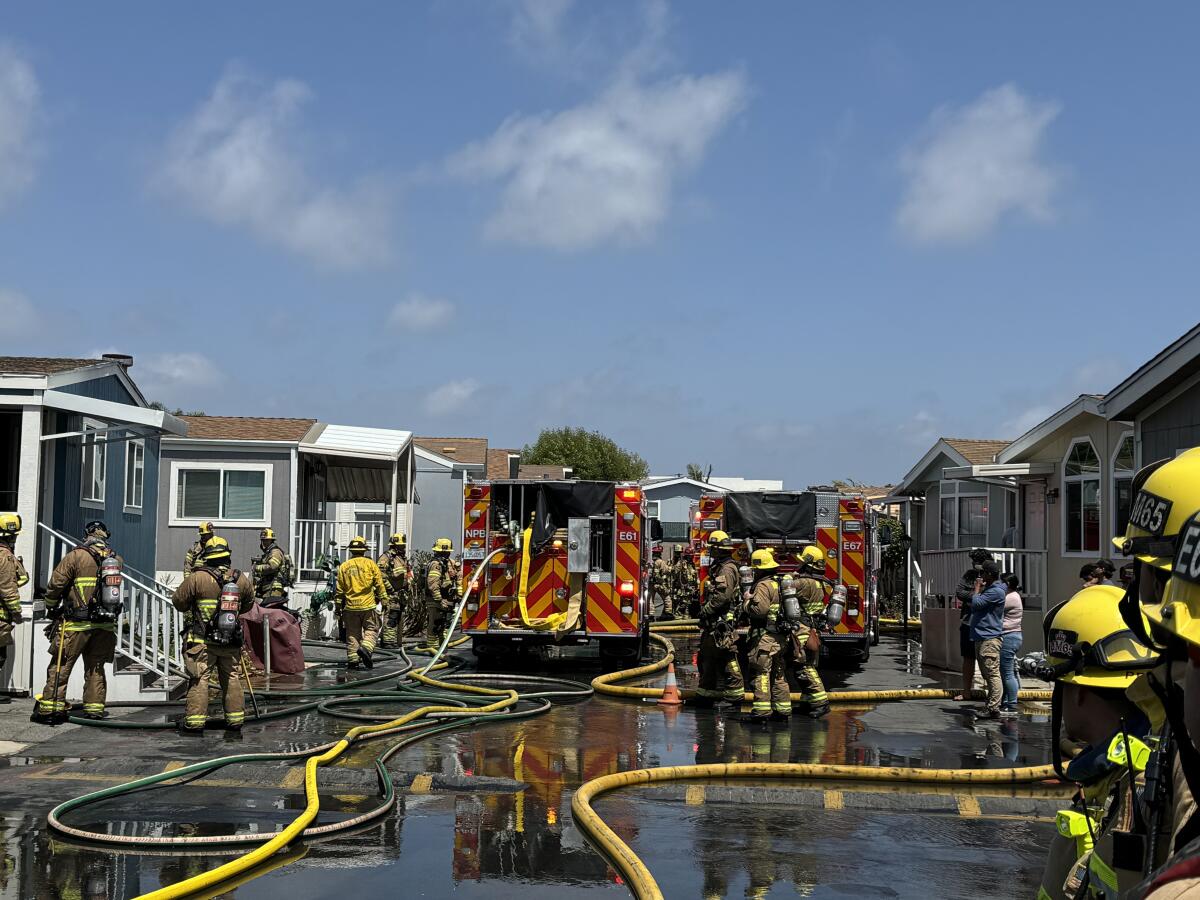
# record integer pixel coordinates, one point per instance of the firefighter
(806, 642)
(360, 589)
(768, 673)
(683, 582)
(84, 625)
(13, 577)
(192, 560)
(1099, 670)
(661, 581)
(720, 674)
(213, 596)
(397, 574)
(439, 591)
(272, 575)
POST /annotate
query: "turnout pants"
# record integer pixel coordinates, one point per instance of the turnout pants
(97, 647)
(720, 674)
(804, 666)
(362, 630)
(393, 619)
(437, 618)
(768, 677)
(199, 660)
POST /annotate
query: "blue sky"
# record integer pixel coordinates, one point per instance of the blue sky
(787, 240)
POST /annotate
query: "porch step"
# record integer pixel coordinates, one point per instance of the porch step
(132, 681)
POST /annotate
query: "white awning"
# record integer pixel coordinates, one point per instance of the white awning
(384, 444)
(116, 413)
(998, 470)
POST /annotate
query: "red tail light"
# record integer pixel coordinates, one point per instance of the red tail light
(627, 588)
(476, 493)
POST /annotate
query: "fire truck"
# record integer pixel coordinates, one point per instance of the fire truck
(842, 525)
(563, 562)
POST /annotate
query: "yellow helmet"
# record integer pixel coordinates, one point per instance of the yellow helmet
(719, 540)
(358, 544)
(267, 534)
(1088, 642)
(763, 560)
(1168, 492)
(443, 545)
(398, 539)
(1179, 613)
(812, 556)
(216, 549)
(10, 524)
(205, 529)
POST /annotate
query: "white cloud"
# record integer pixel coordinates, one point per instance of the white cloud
(18, 315)
(602, 171)
(236, 161)
(19, 104)
(537, 26)
(416, 312)
(451, 396)
(977, 164)
(182, 370)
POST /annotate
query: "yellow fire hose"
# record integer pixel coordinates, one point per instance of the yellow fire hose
(606, 684)
(635, 872)
(216, 876)
(553, 622)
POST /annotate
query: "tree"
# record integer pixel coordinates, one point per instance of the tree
(695, 471)
(590, 455)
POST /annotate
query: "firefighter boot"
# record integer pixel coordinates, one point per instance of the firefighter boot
(364, 656)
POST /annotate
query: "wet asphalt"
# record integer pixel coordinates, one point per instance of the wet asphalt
(486, 812)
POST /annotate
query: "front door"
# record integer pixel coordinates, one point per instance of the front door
(1033, 526)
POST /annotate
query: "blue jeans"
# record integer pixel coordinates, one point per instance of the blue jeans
(1009, 645)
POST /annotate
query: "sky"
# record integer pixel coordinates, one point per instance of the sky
(783, 240)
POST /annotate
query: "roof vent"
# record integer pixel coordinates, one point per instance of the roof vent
(121, 359)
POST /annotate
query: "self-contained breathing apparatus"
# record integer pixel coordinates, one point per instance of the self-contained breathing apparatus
(225, 627)
(105, 603)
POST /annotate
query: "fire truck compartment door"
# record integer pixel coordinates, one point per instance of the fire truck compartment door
(579, 534)
(771, 516)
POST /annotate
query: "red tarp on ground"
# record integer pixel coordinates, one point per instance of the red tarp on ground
(287, 654)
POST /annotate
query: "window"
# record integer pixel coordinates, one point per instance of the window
(135, 474)
(972, 521)
(1081, 509)
(1123, 468)
(233, 494)
(95, 456)
(652, 507)
(964, 517)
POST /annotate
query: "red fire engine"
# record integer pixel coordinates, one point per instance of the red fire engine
(571, 565)
(842, 525)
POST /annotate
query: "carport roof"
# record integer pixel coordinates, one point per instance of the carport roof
(356, 441)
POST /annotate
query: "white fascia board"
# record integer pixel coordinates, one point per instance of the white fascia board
(1142, 383)
(1047, 427)
(433, 457)
(347, 453)
(927, 460)
(23, 382)
(112, 412)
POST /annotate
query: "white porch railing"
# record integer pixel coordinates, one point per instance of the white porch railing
(916, 597)
(312, 538)
(944, 568)
(148, 630)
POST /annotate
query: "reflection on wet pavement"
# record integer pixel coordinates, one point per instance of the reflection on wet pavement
(464, 826)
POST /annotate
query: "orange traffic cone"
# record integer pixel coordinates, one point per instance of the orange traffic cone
(670, 695)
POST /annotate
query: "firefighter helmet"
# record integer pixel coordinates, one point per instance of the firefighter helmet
(96, 528)
(205, 529)
(719, 540)
(656, 549)
(10, 524)
(216, 549)
(357, 545)
(398, 539)
(1179, 613)
(443, 545)
(812, 557)
(1166, 494)
(763, 560)
(1088, 642)
(267, 534)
